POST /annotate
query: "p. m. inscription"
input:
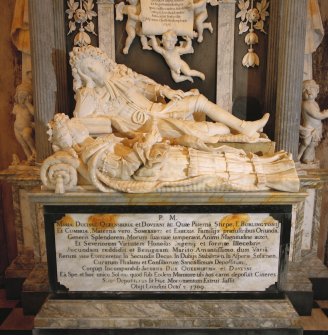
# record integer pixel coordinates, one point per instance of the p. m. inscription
(178, 252)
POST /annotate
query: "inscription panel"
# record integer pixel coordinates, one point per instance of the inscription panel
(159, 16)
(165, 252)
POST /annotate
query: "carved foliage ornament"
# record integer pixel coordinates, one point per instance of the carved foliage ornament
(81, 13)
(252, 14)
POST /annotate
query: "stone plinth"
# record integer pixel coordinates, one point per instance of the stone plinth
(220, 315)
(35, 289)
(17, 272)
(22, 179)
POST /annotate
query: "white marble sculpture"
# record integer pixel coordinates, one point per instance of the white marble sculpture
(190, 22)
(24, 119)
(311, 122)
(252, 16)
(110, 95)
(180, 70)
(80, 16)
(200, 16)
(149, 162)
(133, 23)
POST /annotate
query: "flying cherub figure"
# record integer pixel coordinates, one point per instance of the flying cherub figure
(200, 15)
(133, 23)
(180, 70)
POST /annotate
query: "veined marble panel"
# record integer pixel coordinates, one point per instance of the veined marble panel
(168, 314)
(308, 220)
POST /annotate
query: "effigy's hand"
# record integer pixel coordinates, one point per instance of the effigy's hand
(173, 94)
(192, 92)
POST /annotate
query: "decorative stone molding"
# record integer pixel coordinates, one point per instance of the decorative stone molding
(252, 14)
(81, 13)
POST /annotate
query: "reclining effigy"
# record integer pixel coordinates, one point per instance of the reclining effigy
(134, 135)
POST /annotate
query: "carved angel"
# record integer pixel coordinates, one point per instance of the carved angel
(133, 23)
(180, 70)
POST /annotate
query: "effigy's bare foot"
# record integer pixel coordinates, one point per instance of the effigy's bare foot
(252, 128)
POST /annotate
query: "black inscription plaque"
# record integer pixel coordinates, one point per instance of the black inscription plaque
(128, 251)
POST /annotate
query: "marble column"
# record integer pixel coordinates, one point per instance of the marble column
(60, 58)
(106, 24)
(290, 74)
(44, 79)
(225, 53)
(272, 66)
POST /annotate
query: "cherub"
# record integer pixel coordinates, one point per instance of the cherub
(172, 53)
(24, 125)
(311, 123)
(133, 23)
(200, 15)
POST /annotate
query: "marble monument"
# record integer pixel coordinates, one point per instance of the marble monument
(148, 138)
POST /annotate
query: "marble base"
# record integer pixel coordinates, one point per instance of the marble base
(306, 280)
(35, 290)
(17, 272)
(317, 272)
(183, 315)
(299, 288)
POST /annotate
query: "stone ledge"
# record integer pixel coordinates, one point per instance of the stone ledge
(94, 197)
(167, 314)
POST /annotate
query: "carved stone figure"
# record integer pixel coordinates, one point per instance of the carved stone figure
(180, 70)
(24, 117)
(200, 16)
(133, 23)
(311, 122)
(149, 162)
(131, 101)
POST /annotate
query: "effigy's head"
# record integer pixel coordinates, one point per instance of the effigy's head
(310, 89)
(90, 66)
(65, 132)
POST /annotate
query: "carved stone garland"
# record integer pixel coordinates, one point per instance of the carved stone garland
(81, 13)
(252, 17)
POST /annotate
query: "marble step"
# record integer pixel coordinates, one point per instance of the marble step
(167, 314)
